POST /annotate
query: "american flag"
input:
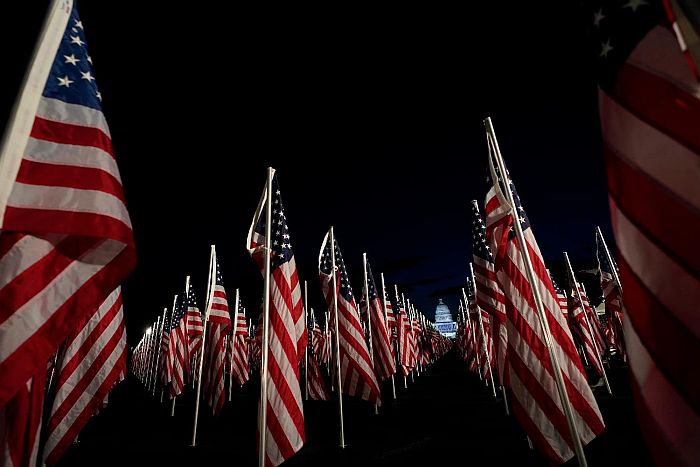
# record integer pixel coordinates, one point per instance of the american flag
(561, 297)
(404, 335)
(489, 295)
(612, 296)
(536, 402)
(66, 240)
(357, 372)
(390, 317)
(317, 338)
(218, 326)
(317, 386)
(384, 361)
(195, 328)
(580, 326)
(649, 104)
(483, 343)
(94, 360)
(177, 352)
(287, 334)
(240, 366)
(166, 364)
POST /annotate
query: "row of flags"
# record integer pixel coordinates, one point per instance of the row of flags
(66, 245)
(361, 345)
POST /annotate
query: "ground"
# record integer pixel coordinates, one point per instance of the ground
(446, 417)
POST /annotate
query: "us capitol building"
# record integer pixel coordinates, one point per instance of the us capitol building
(443, 320)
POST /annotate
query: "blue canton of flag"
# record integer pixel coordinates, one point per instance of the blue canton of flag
(71, 79)
(522, 217)
(325, 266)
(479, 246)
(281, 245)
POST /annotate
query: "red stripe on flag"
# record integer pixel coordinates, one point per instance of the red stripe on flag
(66, 133)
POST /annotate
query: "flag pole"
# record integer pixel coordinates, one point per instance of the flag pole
(233, 346)
(327, 344)
(262, 425)
(165, 312)
(613, 266)
(172, 409)
(403, 301)
(399, 329)
(369, 319)
(473, 331)
(566, 403)
(599, 354)
(337, 342)
(481, 330)
(306, 348)
(210, 292)
(386, 320)
(152, 363)
(159, 343)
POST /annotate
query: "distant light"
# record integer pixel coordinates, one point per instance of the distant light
(148, 331)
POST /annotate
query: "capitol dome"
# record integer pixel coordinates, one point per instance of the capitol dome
(443, 320)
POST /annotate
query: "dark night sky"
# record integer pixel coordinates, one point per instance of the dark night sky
(372, 117)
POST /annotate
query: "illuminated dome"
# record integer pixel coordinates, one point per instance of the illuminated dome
(443, 320)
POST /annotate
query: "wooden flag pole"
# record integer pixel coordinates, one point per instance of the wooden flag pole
(405, 312)
(210, 292)
(159, 343)
(566, 403)
(327, 345)
(611, 262)
(481, 330)
(262, 422)
(306, 348)
(598, 352)
(386, 320)
(337, 342)
(233, 345)
(154, 355)
(172, 409)
(369, 320)
(165, 311)
(473, 331)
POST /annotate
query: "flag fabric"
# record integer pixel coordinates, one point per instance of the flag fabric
(489, 295)
(612, 297)
(178, 354)
(390, 317)
(482, 340)
(65, 235)
(195, 329)
(317, 387)
(561, 298)
(66, 240)
(21, 421)
(317, 339)
(384, 361)
(594, 320)
(166, 364)
(529, 371)
(578, 324)
(404, 336)
(218, 327)
(357, 372)
(240, 359)
(94, 360)
(287, 334)
(649, 104)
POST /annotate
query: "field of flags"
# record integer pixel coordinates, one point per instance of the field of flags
(174, 354)
(66, 246)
